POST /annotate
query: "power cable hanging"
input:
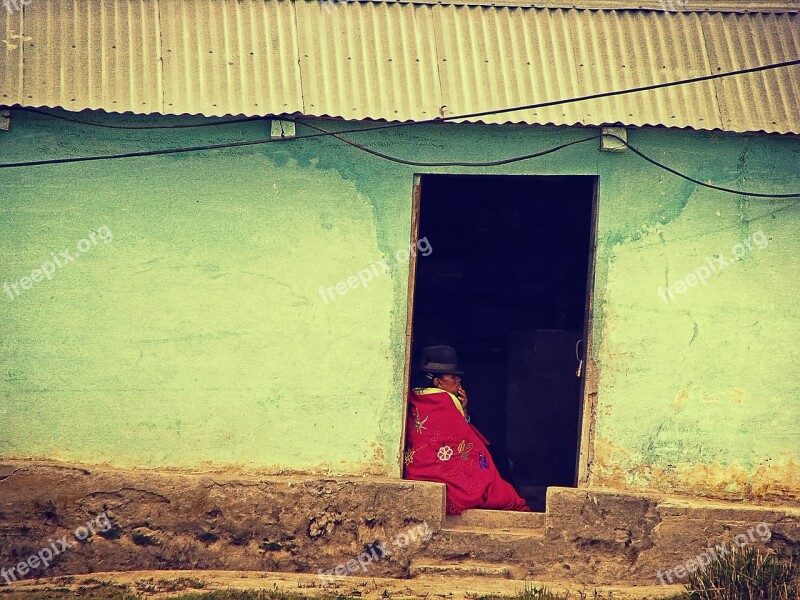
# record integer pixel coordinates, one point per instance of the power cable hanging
(692, 179)
(338, 135)
(416, 163)
(45, 113)
(633, 149)
(644, 88)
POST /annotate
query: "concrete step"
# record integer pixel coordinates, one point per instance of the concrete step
(500, 520)
(469, 568)
(515, 546)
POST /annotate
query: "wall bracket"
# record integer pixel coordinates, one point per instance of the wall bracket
(282, 129)
(610, 144)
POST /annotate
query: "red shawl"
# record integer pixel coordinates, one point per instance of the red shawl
(442, 446)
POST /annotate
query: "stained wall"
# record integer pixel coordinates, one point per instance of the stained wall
(201, 335)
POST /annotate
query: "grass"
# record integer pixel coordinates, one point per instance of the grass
(530, 593)
(103, 590)
(251, 595)
(107, 591)
(745, 574)
(124, 593)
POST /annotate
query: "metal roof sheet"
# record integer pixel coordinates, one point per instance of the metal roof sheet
(230, 57)
(553, 54)
(769, 99)
(368, 61)
(11, 74)
(402, 61)
(101, 54)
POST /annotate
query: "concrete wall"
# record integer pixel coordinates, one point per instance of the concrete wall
(136, 520)
(697, 385)
(124, 520)
(199, 337)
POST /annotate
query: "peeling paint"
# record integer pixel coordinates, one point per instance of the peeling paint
(220, 257)
(680, 399)
(698, 394)
(617, 467)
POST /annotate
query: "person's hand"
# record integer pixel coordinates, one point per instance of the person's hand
(461, 394)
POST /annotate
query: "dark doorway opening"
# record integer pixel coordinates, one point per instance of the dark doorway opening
(506, 285)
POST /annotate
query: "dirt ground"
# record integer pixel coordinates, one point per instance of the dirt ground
(166, 584)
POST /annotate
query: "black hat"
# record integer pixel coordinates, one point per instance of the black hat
(439, 360)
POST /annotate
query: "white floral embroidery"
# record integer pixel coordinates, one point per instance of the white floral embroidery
(445, 453)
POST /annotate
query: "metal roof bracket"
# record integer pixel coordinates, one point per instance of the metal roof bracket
(282, 129)
(612, 144)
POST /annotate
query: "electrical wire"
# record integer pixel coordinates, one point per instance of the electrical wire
(644, 88)
(145, 127)
(653, 161)
(338, 135)
(325, 133)
(654, 86)
(415, 163)
(75, 159)
(548, 151)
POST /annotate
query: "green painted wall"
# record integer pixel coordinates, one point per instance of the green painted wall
(199, 336)
(698, 387)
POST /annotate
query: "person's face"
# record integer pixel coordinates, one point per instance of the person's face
(448, 382)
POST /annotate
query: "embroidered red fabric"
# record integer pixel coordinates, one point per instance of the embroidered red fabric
(441, 446)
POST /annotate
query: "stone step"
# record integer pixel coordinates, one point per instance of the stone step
(500, 520)
(469, 568)
(515, 546)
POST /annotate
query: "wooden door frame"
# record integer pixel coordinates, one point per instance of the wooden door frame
(588, 390)
(416, 196)
(588, 394)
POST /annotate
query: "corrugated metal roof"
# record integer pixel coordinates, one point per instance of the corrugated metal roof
(402, 61)
(368, 61)
(11, 58)
(102, 54)
(698, 6)
(753, 40)
(230, 57)
(553, 54)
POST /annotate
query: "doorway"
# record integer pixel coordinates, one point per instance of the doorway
(506, 285)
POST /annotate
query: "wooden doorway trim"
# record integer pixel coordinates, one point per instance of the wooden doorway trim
(416, 195)
(586, 428)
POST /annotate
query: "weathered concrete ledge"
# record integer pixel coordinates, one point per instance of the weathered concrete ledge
(146, 520)
(621, 536)
(162, 520)
(165, 584)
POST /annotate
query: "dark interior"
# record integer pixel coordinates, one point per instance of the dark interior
(505, 284)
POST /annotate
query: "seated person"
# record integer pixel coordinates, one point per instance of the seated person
(442, 445)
